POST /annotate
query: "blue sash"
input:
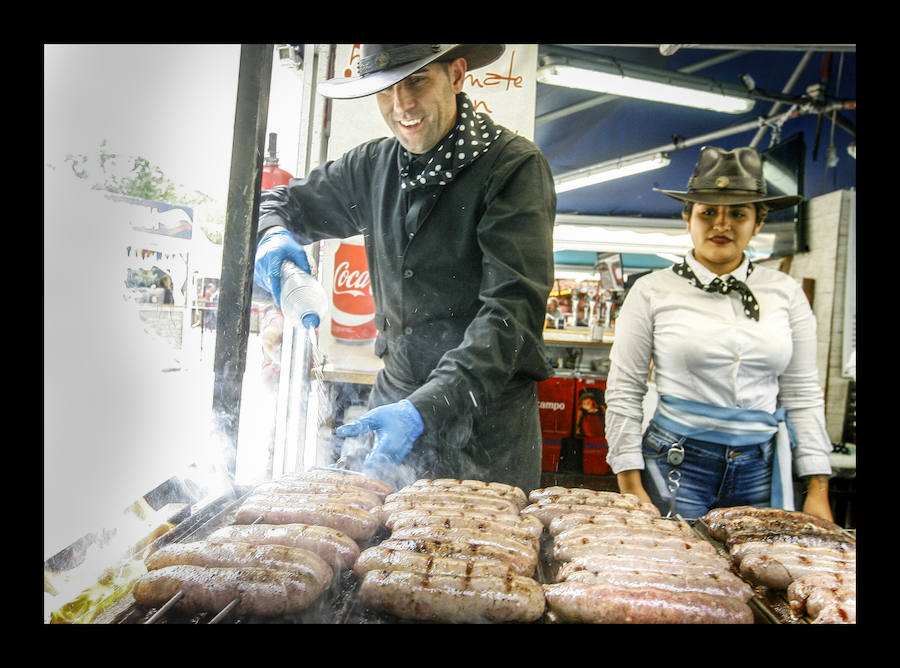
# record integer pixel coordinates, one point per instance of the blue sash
(735, 427)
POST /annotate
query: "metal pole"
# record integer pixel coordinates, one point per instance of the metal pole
(241, 225)
(804, 61)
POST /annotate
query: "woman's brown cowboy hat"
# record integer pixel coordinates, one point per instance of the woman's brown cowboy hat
(382, 65)
(730, 177)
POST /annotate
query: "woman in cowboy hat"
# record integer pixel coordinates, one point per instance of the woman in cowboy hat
(457, 214)
(733, 347)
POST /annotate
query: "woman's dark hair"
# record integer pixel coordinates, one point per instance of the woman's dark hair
(761, 210)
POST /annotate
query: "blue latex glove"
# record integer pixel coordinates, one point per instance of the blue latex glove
(272, 250)
(396, 428)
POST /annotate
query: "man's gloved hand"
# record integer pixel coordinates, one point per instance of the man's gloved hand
(274, 248)
(396, 428)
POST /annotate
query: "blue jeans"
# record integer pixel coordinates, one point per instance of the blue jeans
(712, 475)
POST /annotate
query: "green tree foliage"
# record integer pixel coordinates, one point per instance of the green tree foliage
(138, 178)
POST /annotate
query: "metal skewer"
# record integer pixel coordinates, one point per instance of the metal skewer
(228, 608)
(165, 608)
(177, 597)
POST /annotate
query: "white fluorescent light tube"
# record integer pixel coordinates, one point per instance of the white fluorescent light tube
(606, 171)
(659, 86)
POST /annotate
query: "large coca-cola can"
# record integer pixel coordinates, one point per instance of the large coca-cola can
(353, 308)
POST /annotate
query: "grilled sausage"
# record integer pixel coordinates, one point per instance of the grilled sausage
(474, 486)
(608, 604)
(619, 522)
(452, 599)
(547, 512)
(750, 548)
(722, 529)
(363, 500)
(464, 522)
(819, 598)
(800, 589)
(421, 495)
(462, 550)
(573, 549)
(357, 523)
(523, 551)
(610, 501)
(385, 511)
(529, 525)
(778, 573)
(810, 538)
(337, 548)
(283, 491)
(635, 538)
(724, 583)
(349, 479)
(611, 562)
(536, 495)
(837, 613)
(778, 514)
(235, 555)
(379, 557)
(262, 591)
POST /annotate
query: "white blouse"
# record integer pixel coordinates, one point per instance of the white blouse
(705, 349)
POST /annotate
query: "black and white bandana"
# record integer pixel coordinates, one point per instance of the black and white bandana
(751, 306)
(469, 139)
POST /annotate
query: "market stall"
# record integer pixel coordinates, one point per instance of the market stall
(309, 541)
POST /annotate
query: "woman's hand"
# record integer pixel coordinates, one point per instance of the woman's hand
(816, 502)
(630, 483)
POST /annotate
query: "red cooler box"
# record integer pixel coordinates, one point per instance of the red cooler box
(550, 450)
(556, 403)
(590, 422)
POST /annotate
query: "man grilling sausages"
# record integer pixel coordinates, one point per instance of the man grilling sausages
(457, 215)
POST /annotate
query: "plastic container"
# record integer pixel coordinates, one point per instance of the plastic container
(303, 301)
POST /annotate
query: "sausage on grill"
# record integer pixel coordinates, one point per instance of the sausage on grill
(529, 525)
(357, 523)
(379, 557)
(751, 548)
(420, 495)
(789, 536)
(800, 589)
(819, 598)
(372, 484)
(611, 562)
(616, 522)
(634, 537)
(462, 550)
(524, 552)
(547, 512)
(283, 492)
(337, 548)
(779, 572)
(452, 599)
(473, 486)
(608, 604)
(575, 548)
(724, 583)
(263, 591)
(386, 511)
(234, 555)
(465, 522)
(537, 494)
(778, 514)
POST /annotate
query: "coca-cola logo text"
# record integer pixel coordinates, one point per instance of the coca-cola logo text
(352, 282)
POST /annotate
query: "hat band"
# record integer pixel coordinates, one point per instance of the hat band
(385, 60)
(727, 183)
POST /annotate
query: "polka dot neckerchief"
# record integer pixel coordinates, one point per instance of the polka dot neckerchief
(751, 306)
(466, 142)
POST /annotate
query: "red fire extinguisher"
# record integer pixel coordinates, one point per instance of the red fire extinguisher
(272, 174)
